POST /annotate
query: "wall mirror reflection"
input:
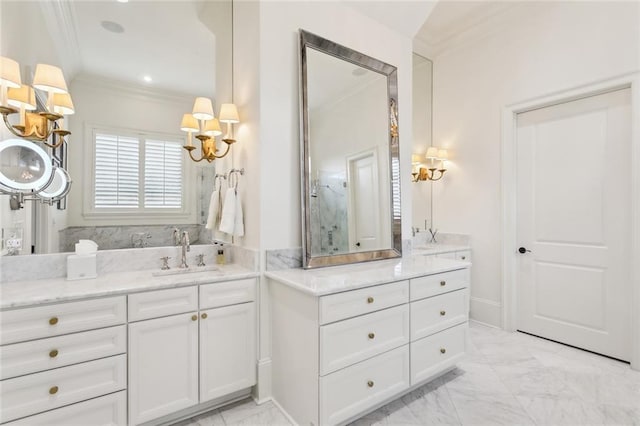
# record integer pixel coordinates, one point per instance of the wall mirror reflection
(133, 69)
(422, 190)
(349, 154)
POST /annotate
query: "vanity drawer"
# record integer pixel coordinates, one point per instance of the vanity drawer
(39, 392)
(347, 342)
(349, 304)
(449, 255)
(38, 355)
(46, 321)
(109, 410)
(162, 303)
(464, 255)
(432, 285)
(433, 314)
(436, 353)
(348, 392)
(227, 293)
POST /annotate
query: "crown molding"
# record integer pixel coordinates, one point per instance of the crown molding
(61, 23)
(468, 29)
(94, 82)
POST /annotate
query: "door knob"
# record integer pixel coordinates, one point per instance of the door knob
(523, 250)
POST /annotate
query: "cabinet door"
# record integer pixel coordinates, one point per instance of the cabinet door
(227, 350)
(163, 366)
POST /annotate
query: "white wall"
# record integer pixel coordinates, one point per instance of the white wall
(278, 185)
(543, 48)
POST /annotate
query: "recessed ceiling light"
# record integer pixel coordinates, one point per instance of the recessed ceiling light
(113, 27)
(123, 1)
(147, 78)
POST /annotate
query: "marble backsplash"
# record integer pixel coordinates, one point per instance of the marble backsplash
(130, 236)
(35, 267)
(423, 238)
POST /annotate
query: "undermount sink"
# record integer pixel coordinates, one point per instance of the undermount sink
(189, 270)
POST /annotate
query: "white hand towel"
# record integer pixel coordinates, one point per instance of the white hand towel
(214, 210)
(238, 229)
(227, 221)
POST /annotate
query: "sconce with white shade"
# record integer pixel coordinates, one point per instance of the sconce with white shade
(20, 99)
(432, 155)
(202, 122)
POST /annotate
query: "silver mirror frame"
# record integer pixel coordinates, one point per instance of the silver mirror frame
(309, 40)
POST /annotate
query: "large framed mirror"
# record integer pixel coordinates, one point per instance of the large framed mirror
(349, 154)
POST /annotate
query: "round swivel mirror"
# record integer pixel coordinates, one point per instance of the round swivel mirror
(58, 188)
(24, 166)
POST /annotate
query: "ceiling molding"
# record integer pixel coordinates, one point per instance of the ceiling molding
(466, 29)
(60, 19)
(93, 82)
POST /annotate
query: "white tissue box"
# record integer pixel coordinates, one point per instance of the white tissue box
(81, 267)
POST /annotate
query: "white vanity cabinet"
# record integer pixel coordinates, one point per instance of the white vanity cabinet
(203, 347)
(340, 354)
(163, 352)
(63, 361)
(150, 357)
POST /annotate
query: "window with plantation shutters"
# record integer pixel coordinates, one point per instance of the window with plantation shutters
(137, 173)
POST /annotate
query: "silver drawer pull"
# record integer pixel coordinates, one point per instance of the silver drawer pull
(463, 257)
(443, 313)
(443, 350)
(443, 283)
(370, 383)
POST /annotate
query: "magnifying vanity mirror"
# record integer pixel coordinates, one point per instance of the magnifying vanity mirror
(133, 69)
(350, 155)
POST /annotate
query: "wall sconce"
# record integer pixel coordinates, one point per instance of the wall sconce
(433, 154)
(207, 127)
(17, 98)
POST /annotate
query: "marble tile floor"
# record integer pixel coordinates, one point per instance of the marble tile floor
(506, 379)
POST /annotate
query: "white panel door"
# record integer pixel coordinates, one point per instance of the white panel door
(364, 205)
(573, 190)
(163, 366)
(227, 350)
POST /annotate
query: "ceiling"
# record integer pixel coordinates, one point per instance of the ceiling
(171, 42)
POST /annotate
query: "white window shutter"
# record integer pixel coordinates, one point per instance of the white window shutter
(162, 174)
(117, 171)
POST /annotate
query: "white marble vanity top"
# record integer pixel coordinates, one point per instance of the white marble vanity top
(436, 248)
(27, 293)
(323, 281)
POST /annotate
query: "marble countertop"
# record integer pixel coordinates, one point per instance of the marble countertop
(437, 248)
(28, 293)
(323, 281)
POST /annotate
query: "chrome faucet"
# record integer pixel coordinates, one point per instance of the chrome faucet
(184, 241)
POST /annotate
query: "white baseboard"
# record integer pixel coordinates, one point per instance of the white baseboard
(486, 311)
(485, 324)
(262, 391)
(293, 422)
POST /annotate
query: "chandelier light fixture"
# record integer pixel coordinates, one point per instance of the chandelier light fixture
(18, 98)
(206, 127)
